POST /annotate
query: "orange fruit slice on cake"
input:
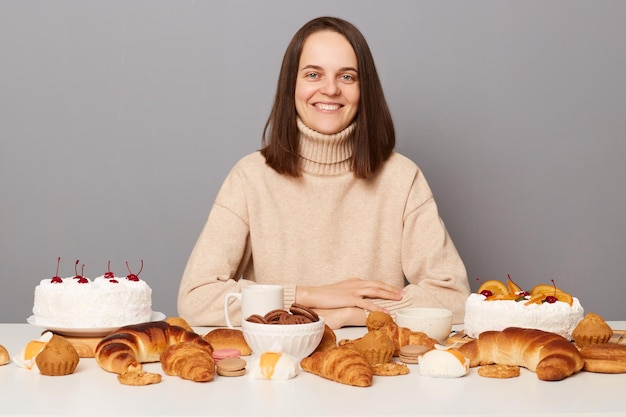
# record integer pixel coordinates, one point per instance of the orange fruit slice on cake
(495, 287)
(547, 289)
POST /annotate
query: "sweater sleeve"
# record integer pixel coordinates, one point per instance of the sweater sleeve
(431, 263)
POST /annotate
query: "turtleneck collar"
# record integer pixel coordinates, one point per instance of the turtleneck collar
(323, 154)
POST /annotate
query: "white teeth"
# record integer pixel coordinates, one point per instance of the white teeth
(327, 106)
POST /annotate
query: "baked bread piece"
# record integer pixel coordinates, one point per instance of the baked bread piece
(4, 356)
(180, 322)
(551, 356)
(57, 358)
(189, 361)
(592, 329)
(329, 340)
(401, 336)
(128, 347)
(228, 339)
(607, 358)
(341, 364)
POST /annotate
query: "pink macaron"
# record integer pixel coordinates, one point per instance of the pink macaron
(220, 354)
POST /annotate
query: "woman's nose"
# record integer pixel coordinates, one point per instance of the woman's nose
(331, 87)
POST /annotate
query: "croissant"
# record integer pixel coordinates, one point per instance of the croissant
(551, 356)
(189, 361)
(128, 347)
(341, 364)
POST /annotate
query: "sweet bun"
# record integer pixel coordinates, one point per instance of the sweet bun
(57, 358)
(4, 356)
(329, 340)
(180, 322)
(592, 329)
(228, 339)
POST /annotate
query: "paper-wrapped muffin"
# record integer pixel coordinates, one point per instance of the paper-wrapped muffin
(376, 345)
(592, 329)
(57, 358)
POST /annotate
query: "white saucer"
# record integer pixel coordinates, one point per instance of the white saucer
(89, 332)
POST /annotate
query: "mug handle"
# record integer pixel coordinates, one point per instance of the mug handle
(230, 295)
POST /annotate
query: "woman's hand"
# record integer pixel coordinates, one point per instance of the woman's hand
(352, 292)
(336, 318)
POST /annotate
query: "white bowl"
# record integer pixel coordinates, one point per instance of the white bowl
(297, 340)
(435, 322)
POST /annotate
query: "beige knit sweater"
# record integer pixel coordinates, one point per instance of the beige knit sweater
(321, 228)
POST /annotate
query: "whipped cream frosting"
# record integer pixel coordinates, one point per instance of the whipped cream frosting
(98, 303)
(443, 362)
(558, 317)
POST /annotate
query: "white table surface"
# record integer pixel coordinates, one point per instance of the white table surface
(90, 391)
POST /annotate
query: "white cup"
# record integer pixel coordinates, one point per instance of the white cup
(435, 322)
(255, 299)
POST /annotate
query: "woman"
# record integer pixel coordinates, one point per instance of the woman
(326, 208)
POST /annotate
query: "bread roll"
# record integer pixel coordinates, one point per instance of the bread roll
(228, 339)
(551, 356)
(607, 358)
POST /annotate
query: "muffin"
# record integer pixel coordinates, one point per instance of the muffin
(57, 358)
(376, 345)
(592, 329)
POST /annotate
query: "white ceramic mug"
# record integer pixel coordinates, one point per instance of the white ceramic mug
(255, 299)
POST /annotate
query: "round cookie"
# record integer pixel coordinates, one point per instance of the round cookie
(299, 309)
(411, 353)
(499, 371)
(274, 316)
(256, 318)
(231, 367)
(225, 353)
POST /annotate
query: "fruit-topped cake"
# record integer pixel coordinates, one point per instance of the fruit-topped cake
(496, 306)
(79, 302)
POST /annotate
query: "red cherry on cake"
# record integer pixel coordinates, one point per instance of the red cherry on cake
(109, 274)
(57, 279)
(131, 276)
(486, 293)
(551, 299)
(81, 279)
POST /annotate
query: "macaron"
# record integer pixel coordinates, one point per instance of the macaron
(225, 353)
(231, 367)
(411, 353)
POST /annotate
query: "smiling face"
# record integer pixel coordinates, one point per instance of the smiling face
(327, 86)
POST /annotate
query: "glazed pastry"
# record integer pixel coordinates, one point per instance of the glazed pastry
(551, 356)
(189, 361)
(4, 356)
(341, 364)
(57, 358)
(125, 350)
(607, 358)
(401, 336)
(592, 329)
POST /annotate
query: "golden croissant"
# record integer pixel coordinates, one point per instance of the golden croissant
(341, 364)
(551, 356)
(189, 361)
(128, 347)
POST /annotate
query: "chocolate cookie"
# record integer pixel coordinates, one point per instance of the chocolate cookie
(299, 309)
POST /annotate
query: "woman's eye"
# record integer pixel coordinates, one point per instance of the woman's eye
(312, 75)
(347, 78)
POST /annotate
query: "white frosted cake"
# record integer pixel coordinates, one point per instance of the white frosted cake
(558, 317)
(78, 302)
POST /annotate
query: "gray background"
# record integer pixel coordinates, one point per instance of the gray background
(120, 119)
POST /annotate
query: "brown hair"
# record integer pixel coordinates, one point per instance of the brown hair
(374, 135)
